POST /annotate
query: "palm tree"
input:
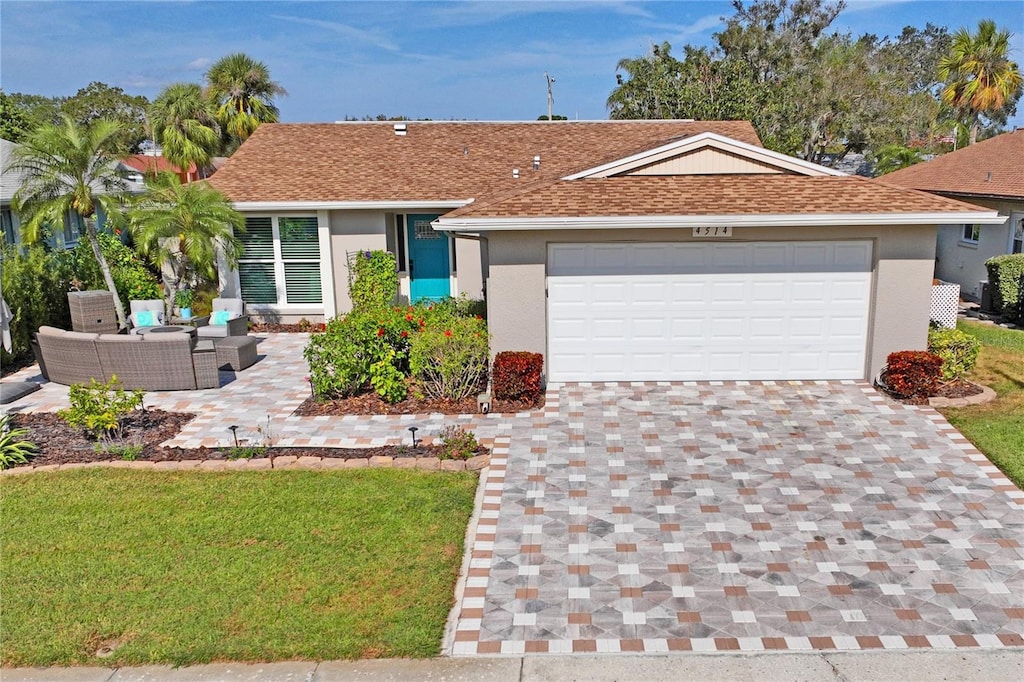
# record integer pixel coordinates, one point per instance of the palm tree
(980, 78)
(183, 229)
(241, 89)
(70, 169)
(185, 124)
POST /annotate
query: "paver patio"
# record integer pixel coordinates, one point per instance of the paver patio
(662, 517)
(696, 516)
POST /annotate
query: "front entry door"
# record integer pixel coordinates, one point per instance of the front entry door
(429, 265)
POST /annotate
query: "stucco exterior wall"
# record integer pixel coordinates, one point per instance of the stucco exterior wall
(903, 265)
(469, 270)
(964, 263)
(353, 231)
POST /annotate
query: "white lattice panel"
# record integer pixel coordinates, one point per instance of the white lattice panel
(945, 303)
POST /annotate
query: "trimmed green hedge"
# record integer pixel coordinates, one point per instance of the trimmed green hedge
(1004, 276)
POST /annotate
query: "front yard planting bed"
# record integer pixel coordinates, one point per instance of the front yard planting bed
(61, 444)
(997, 428)
(371, 403)
(178, 568)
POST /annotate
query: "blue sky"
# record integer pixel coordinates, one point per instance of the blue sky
(473, 60)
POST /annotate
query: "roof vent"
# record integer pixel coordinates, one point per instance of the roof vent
(400, 129)
(515, 173)
(988, 178)
(536, 162)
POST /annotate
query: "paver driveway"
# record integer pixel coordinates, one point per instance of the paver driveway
(660, 517)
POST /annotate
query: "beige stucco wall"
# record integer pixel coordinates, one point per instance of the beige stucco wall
(353, 231)
(964, 263)
(903, 264)
(469, 268)
(706, 162)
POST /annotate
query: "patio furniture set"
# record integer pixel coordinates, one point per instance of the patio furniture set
(152, 356)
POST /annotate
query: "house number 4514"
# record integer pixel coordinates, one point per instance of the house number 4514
(712, 231)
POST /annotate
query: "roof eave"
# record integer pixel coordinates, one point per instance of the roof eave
(472, 224)
(388, 205)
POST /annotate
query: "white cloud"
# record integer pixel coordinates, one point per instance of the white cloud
(375, 38)
(199, 64)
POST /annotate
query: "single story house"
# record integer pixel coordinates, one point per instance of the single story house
(621, 250)
(990, 174)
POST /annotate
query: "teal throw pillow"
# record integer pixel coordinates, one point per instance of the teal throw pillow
(221, 317)
(145, 318)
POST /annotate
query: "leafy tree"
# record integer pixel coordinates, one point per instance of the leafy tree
(893, 157)
(98, 100)
(554, 117)
(70, 169)
(185, 125)
(243, 94)
(808, 93)
(980, 78)
(182, 227)
(38, 109)
(14, 123)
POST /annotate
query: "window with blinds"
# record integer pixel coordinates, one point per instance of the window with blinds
(281, 261)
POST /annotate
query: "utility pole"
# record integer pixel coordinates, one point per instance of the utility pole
(551, 99)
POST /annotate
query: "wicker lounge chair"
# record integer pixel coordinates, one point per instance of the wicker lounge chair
(237, 324)
(154, 306)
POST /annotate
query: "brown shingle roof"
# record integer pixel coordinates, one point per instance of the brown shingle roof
(711, 195)
(967, 171)
(434, 160)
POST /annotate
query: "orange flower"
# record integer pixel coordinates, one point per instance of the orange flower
(408, 318)
(405, 334)
(380, 332)
(447, 332)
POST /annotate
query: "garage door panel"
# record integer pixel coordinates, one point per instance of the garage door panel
(685, 311)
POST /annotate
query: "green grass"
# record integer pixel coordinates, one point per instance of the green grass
(997, 429)
(186, 568)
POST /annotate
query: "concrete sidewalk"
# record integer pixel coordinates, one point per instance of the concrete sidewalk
(982, 665)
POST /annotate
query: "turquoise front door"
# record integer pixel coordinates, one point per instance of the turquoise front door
(429, 265)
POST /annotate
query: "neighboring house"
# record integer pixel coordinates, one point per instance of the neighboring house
(10, 181)
(137, 166)
(989, 174)
(621, 250)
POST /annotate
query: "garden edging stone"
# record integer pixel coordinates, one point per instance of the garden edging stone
(987, 395)
(266, 463)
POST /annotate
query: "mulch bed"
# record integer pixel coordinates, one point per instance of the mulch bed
(371, 403)
(278, 328)
(954, 389)
(61, 444)
(16, 364)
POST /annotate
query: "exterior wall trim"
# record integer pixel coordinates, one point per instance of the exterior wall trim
(686, 221)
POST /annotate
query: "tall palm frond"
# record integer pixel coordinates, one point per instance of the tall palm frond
(185, 124)
(241, 89)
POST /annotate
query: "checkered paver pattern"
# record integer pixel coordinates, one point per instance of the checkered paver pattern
(741, 516)
(272, 389)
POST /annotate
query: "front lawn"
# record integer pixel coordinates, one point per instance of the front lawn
(997, 429)
(186, 568)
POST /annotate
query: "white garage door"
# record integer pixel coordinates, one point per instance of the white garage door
(690, 311)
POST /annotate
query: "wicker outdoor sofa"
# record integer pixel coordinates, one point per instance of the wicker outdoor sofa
(157, 362)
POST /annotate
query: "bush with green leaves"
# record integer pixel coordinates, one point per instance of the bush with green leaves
(340, 358)
(101, 409)
(958, 350)
(133, 277)
(448, 357)
(373, 280)
(35, 285)
(14, 448)
(1006, 282)
(457, 443)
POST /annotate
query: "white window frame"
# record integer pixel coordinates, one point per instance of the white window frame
(972, 240)
(326, 282)
(1016, 243)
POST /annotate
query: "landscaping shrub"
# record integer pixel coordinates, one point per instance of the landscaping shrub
(516, 375)
(35, 285)
(340, 359)
(1005, 274)
(133, 278)
(913, 373)
(448, 356)
(101, 409)
(457, 444)
(959, 351)
(373, 280)
(14, 449)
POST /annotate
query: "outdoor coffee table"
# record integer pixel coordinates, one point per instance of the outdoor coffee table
(168, 329)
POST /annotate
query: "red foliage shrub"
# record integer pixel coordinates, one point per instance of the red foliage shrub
(913, 373)
(516, 375)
